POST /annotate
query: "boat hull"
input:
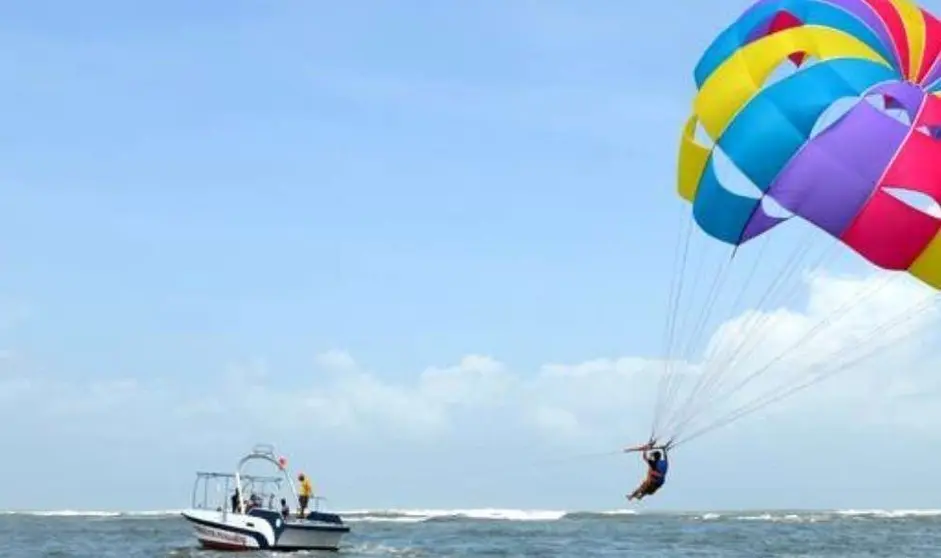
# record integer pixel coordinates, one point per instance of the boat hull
(302, 537)
(263, 530)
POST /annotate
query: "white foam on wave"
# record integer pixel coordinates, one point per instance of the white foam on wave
(834, 515)
(384, 550)
(91, 513)
(418, 515)
(889, 514)
(777, 518)
(388, 515)
(493, 514)
(500, 514)
(617, 512)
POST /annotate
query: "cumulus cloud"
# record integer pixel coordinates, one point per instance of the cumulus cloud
(607, 400)
(838, 349)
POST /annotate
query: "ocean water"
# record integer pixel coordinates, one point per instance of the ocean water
(499, 533)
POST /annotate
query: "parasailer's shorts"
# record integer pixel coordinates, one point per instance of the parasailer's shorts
(303, 501)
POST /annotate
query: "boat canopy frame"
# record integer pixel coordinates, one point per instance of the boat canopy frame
(261, 452)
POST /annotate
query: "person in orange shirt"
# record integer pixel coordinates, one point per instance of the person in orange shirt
(305, 493)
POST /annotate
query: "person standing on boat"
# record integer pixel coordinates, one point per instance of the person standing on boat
(235, 500)
(305, 492)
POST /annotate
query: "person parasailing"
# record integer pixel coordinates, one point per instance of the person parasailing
(657, 466)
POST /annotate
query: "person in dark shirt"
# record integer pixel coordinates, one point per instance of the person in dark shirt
(235, 499)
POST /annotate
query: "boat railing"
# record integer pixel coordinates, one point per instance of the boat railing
(264, 449)
(317, 500)
(248, 484)
(226, 484)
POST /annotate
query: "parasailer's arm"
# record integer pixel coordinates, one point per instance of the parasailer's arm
(642, 447)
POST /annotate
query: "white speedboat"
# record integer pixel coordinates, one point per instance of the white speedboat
(223, 520)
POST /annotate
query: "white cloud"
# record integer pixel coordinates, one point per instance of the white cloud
(335, 359)
(555, 421)
(480, 419)
(601, 400)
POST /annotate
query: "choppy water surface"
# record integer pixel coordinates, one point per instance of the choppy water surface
(492, 533)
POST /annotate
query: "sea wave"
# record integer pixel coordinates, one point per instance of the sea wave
(816, 516)
(92, 513)
(501, 514)
(485, 514)
(890, 514)
(784, 516)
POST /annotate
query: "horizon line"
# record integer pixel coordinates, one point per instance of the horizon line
(495, 510)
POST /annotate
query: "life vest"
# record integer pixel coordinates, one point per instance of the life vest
(658, 472)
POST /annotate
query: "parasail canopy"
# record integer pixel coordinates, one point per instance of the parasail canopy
(829, 113)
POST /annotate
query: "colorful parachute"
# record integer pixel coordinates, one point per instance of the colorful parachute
(849, 142)
(842, 179)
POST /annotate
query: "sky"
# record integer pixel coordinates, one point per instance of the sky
(426, 251)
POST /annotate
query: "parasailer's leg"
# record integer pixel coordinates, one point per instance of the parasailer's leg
(647, 488)
(639, 492)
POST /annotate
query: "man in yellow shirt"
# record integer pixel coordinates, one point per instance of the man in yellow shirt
(305, 492)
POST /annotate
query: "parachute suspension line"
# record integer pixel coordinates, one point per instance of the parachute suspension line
(699, 325)
(679, 267)
(753, 332)
(705, 377)
(676, 285)
(814, 332)
(759, 320)
(826, 359)
(733, 309)
(717, 283)
(498, 469)
(713, 369)
(736, 306)
(670, 379)
(674, 381)
(706, 374)
(808, 336)
(703, 256)
(774, 397)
